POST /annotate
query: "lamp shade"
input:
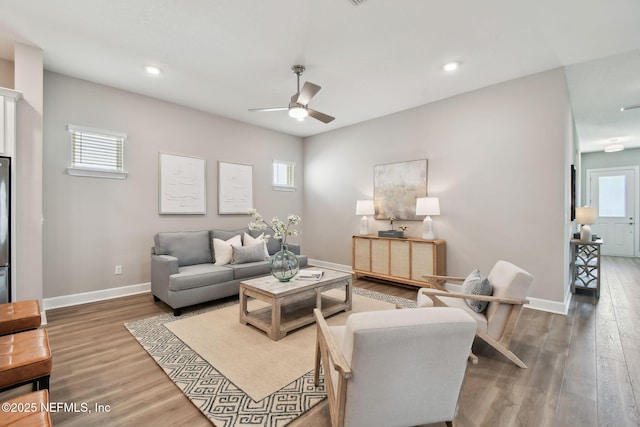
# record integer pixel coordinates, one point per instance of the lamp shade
(586, 215)
(365, 207)
(427, 206)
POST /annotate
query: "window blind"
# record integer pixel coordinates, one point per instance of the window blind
(92, 148)
(283, 175)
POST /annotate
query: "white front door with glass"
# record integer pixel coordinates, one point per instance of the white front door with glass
(614, 195)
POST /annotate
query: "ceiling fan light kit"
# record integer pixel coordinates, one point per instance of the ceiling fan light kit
(298, 112)
(451, 66)
(299, 106)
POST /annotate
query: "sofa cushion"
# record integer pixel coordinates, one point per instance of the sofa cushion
(248, 240)
(223, 250)
(195, 276)
(190, 247)
(250, 269)
(227, 234)
(273, 245)
(244, 254)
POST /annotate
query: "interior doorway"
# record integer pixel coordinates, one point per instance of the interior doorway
(614, 194)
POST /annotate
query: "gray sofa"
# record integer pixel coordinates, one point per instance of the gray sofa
(183, 270)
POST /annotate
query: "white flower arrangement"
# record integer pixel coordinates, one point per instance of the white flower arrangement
(280, 230)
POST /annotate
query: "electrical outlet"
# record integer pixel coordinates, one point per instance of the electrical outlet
(118, 269)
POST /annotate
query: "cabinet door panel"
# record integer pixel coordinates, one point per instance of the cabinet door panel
(400, 259)
(380, 256)
(421, 260)
(362, 254)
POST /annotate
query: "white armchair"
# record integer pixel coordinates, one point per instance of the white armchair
(497, 323)
(394, 367)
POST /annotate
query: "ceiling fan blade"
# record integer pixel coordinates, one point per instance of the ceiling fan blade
(308, 91)
(324, 118)
(270, 109)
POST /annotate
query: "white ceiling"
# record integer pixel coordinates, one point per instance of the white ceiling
(226, 56)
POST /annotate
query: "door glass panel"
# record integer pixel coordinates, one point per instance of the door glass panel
(612, 197)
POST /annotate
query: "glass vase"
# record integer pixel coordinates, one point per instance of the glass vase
(284, 264)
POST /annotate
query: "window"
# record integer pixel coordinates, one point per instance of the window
(284, 176)
(612, 199)
(96, 153)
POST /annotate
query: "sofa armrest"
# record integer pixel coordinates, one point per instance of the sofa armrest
(294, 247)
(162, 266)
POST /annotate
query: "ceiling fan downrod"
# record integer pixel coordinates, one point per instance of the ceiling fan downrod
(298, 70)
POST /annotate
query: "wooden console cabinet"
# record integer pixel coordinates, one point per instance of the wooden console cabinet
(398, 260)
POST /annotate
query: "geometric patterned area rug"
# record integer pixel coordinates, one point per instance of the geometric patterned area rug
(218, 398)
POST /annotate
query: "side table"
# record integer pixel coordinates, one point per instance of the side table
(585, 265)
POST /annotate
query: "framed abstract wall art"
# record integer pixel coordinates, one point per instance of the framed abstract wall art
(182, 185)
(396, 187)
(235, 188)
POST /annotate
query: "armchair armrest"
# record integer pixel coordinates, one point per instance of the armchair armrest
(444, 278)
(437, 292)
(327, 351)
(438, 281)
(334, 352)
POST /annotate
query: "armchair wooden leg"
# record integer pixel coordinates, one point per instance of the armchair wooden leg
(473, 358)
(509, 355)
(502, 349)
(316, 372)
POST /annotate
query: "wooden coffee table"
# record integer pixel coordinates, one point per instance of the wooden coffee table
(291, 304)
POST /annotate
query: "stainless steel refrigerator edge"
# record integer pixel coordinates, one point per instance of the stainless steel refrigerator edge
(5, 226)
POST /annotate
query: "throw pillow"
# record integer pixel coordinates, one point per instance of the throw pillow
(244, 254)
(248, 240)
(476, 284)
(223, 250)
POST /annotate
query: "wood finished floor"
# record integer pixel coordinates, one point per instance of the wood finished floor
(584, 368)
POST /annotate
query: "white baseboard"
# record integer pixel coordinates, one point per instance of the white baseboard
(549, 306)
(93, 296)
(105, 294)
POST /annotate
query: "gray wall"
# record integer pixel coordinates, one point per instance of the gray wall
(93, 224)
(499, 161)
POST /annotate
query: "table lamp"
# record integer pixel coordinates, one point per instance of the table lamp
(427, 206)
(364, 207)
(585, 216)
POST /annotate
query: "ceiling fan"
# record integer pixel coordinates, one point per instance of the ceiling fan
(299, 105)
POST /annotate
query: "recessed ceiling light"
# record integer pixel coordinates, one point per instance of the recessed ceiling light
(451, 66)
(153, 70)
(612, 148)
